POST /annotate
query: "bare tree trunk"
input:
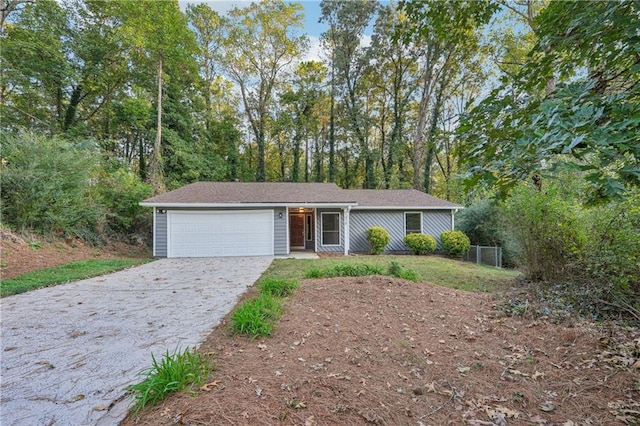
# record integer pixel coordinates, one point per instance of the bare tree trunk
(157, 178)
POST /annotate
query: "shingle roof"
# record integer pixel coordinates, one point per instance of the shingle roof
(217, 193)
(397, 198)
(254, 192)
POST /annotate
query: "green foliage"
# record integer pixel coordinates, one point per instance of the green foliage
(62, 274)
(420, 243)
(46, 185)
(256, 317)
(173, 373)
(547, 230)
(345, 270)
(120, 192)
(56, 186)
(455, 243)
(278, 287)
(610, 260)
(484, 224)
(396, 270)
(378, 238)
(575, 103)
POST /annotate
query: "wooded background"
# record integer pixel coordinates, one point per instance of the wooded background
(526, 111)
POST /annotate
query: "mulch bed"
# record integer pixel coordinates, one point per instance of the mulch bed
(377, 350)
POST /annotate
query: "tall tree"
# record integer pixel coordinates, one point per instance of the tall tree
(395, 65)
(260, 45)
(161, 39)
(449, 33)
(348, 21)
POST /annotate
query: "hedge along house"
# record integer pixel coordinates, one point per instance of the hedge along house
(213, 219)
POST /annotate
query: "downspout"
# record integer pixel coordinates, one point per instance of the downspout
(346, 230)
(155, 237)
(453, 219)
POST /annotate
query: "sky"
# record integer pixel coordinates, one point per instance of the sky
(311, 11)
(312, 28)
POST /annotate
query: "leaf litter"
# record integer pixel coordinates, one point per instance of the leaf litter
(376, 350)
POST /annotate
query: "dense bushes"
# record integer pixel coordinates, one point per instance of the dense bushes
(420, 243)
(547, 229)
(484, 224)
(378, 238)
(588, 257)
(55, 186)
(455, 243)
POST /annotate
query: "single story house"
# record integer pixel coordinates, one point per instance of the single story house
(213, 219)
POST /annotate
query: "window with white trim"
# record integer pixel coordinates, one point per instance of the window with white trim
(412, 223)
(330, 223)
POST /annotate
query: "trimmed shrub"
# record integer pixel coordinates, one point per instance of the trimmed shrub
(378, 238)
(420, 243)
(455, 243)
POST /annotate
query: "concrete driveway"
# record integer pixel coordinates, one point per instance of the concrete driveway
(69, 351)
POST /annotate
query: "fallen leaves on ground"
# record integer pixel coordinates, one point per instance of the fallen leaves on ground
(376, 350)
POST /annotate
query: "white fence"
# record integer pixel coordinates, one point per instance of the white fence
(486, 255)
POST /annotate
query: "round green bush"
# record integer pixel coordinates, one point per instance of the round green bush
(455, 243)
(378, 239)
(420, 243)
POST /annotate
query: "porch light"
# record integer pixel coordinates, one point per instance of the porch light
(280, 215)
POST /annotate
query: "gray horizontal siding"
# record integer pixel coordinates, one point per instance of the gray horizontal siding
(160, 239)
(280, 231)
(392, 221)
(434, 222)
(329, 249)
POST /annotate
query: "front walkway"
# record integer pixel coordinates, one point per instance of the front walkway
(69, 351)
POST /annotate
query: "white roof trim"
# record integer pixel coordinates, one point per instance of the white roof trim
(408, 208)
(239, 205)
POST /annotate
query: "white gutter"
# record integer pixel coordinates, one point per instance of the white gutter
(356, 207)
(240, 205)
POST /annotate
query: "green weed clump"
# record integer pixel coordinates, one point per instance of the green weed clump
(256, 317)
(278, 287)
(346, 270)
(173, 373)
(396, 270)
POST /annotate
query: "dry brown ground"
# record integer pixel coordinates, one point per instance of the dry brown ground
(385, 351)
(18, 256)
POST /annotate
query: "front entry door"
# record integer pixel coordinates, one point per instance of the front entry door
(296, 232)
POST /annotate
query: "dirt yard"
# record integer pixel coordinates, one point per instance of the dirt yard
(19, 254)
(377, 350)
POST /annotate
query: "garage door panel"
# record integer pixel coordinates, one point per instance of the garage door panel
(212, 234)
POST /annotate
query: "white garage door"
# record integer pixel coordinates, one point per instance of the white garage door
(214, 234)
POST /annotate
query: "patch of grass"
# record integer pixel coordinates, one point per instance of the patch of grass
(434, 269)
(346, 270)
(256, 317)
(278, 287)
(35, 245)
(173, 373)
(396, 270)
(64, 273)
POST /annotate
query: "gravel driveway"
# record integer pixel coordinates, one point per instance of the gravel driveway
(69, 351)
